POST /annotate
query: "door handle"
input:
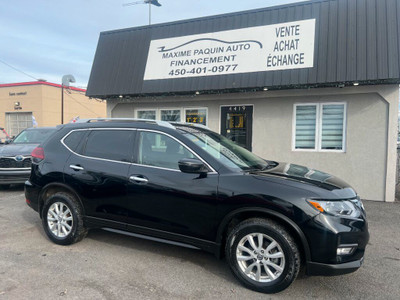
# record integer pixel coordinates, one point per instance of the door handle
(76, 168)
(139, 179)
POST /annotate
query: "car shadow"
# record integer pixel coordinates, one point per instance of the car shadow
(200, 258)
(13, 188)
(203, 259)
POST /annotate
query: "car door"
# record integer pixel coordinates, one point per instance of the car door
(166, 199)
(98, 171)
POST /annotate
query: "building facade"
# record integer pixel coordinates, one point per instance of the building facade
(23, 104)
(313, 83)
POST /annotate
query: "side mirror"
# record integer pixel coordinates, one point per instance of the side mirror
(7, 141)
(193, 166)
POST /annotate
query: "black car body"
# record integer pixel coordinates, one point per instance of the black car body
(206, 202)
(15, 156)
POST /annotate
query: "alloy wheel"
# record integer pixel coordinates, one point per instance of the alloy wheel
(260, 257)
(59, 219)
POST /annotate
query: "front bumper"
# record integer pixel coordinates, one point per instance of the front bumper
(14, 176)
(326, 234)
(319, 269)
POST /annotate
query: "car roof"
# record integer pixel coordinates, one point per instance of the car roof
(40, 128)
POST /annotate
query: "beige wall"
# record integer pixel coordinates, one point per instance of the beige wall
(75, 104)
(44, 102)
(31, 102)
(369, 162)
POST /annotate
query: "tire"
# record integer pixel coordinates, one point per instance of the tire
(64, 207)
(282, 258)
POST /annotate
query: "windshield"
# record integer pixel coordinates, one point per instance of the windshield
(226, 151)
(34, 136)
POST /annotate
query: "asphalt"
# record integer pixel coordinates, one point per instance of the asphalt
(107, 265)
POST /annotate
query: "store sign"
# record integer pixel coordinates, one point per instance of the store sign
(17, 94)
(282, 46)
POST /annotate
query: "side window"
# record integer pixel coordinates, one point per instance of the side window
(73, 140)
(159, 150)
(110, 144)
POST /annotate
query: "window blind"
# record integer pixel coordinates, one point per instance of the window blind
(332, 126)
(306, 116)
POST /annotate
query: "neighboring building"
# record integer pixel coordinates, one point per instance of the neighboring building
(21, 104)
(314, 83)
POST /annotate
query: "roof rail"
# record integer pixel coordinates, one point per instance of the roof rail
(160, 123)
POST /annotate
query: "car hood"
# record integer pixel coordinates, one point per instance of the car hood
(17, 149)
(304, 175)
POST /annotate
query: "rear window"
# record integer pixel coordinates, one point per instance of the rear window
(74, 139)
(110, 144)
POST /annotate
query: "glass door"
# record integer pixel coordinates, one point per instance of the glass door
(237, 124)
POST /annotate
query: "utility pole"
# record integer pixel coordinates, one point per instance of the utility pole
(150, 2)
(62, 103)
(66, 79)
(149, 13)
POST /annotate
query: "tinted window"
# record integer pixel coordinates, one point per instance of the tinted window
(74, 139)
(159, 150)
(110, 144)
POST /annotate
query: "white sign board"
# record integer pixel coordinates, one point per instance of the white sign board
(282, 46)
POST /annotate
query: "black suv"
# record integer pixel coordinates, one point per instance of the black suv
(187, 185)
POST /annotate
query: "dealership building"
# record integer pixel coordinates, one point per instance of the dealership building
(313, 83)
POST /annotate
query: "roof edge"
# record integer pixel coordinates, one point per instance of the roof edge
(390, 81)
(39, 83)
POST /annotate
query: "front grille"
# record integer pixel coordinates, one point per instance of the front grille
(10, 162)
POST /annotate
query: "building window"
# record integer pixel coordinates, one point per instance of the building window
(196, 115)
(149, 114)
(171, 115)
(306, 116)
(320, 127)
(16, 122)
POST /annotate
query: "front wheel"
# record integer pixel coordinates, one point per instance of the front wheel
(62, 219)
(262, 255)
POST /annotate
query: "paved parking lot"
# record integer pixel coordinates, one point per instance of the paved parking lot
(111, 266)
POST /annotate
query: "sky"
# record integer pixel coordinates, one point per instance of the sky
(47, 39)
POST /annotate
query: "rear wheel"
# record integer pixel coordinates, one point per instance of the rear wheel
(262, 255)
(62, 219)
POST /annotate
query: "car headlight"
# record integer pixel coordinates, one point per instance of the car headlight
(338, 207)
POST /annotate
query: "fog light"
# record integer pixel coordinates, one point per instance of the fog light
(346, 249)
